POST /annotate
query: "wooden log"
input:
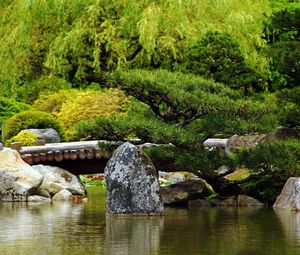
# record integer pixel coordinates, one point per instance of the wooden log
(36, 158)
(16, 146)
(82, 154)
(89, 154)
(43, 156)
(27, 158)
(214, 142)
(58, 156)
(107, 154)
(50, 155)
(98, 153)
(66, 154)
(73, 154)
(64, 146)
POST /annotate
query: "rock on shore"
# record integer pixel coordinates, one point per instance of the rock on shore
(289, 197)
(20, 182)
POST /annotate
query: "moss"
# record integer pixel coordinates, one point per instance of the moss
(238, 175)
(25, 137)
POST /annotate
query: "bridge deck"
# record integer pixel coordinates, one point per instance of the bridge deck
(84, 157)
(77, 157)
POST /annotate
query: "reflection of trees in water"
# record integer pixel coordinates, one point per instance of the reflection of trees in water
(57, 228)
(222, 231)
(133, 235)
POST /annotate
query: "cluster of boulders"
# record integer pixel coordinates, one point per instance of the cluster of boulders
(20, 182)
(132, 185)
(133, 188)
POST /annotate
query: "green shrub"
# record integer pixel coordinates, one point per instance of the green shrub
(271, 165)
(32, 119)
(25, 137)
(218, 56)
(8, 108)
(289, 113)
(72, 106)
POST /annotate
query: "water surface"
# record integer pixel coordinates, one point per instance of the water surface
(70, 228)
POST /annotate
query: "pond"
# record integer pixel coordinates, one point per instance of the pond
(83, 228)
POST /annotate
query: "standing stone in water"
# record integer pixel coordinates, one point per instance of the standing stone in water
(1, 146)
(132, 186)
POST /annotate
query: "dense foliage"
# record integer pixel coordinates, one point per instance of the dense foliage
(73, 106)
(272, 164)
(189, 69)
(78, 40)
(218, 56)
(9, 107)
(31, 119)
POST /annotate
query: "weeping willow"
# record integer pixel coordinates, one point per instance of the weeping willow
(77, 39)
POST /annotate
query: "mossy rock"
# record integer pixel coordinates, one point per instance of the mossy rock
(25, 137)
(32, 119)
(238, 175)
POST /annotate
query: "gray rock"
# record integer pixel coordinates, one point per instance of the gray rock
(246, 141)
(231, 201)
(249, 141)
(132, 187)
(176, 177)
(43, 193)
(289, 197)
(215, 202)
(1, 146)
(18, 180)
(199, 203)
(222, 171)
(180, 193)
(63, 195)
(50, 135)
(244, 200)
(38, 199)
(57, 179)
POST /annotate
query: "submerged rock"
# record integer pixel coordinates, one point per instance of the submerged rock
(241, 200)
(199, 203)
(18, 180)
(231, 201)
(57, 179)
(289, 197)
(244, 200)
(63, 195)
(180, 193)
(38, 199)
(132, 184)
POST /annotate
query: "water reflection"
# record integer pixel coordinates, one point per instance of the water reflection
(290, 222)
(137, 235)
(66, 228)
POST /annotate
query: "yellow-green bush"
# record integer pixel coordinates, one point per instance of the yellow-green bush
(32, 119)
(25, 137)
(73, 106)
(52, 103)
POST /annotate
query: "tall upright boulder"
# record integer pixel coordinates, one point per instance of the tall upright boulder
(132, 183)
(289, 198)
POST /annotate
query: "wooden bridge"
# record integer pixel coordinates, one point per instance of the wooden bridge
(84, 157)
(87, 157)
